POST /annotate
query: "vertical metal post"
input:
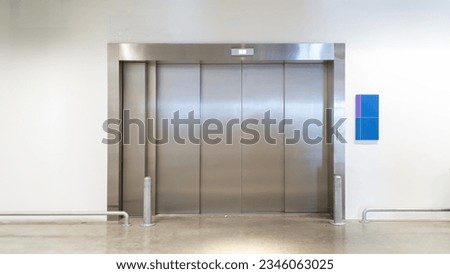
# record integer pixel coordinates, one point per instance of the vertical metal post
(147, 219)
(338, 207)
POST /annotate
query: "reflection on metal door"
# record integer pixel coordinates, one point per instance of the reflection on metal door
(133, 152)
(229, 176)
(220, 182)
(177, 165)
(262, 168)
(305, 164)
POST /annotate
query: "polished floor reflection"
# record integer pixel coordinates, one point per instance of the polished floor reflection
(227, 234)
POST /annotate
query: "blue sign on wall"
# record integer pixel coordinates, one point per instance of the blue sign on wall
(367, 117)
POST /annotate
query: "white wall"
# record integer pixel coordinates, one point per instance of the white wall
(53, 88)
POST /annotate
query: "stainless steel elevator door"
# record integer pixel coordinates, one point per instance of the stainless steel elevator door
(220, 181)
(133, 167)
(305, 161)
(177, 164)
(267, 175)
(262, 162)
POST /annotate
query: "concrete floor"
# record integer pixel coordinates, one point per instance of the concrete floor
(235, 234)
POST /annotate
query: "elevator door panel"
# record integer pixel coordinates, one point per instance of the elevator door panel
(220, 180)
(262, 162)
(178, 165)
(305, 161)
(133, 169)
(228, 177)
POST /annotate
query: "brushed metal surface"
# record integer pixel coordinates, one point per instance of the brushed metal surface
(133, 167)
(221, 163)
(151, 129)
(214, 53)
(114, 173)
(178, 165)
(262, 163)
(305, 164)
(333, 54)
(147, 215)
(338, 100)
(338, 216)
(330, 146)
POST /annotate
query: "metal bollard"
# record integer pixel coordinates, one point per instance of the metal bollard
(338, 208)
(147, 219)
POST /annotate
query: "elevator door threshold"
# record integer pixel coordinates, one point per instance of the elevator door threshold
(249, 215)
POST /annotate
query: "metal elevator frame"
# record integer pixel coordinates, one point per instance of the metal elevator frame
(331, 54)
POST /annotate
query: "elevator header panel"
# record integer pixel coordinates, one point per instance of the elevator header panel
(220, 53)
